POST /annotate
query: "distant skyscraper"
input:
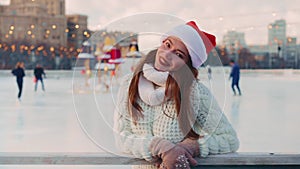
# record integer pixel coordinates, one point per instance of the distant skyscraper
(234, 41)
(233, 38)
(277, 43)
(277, 38)
(291, 53)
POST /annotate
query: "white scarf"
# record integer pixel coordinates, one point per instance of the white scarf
(150, 95)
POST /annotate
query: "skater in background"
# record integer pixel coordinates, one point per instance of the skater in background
(209, 72)
(19, 73)
(235, 75)
(38, 73)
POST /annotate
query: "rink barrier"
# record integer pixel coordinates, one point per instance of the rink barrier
(232, 160)
(217, 70)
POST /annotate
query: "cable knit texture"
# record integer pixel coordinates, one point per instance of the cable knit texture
(211, 123)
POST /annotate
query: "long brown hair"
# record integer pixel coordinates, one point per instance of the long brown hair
(178, 87)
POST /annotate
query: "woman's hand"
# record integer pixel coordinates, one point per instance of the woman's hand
(173, 156)
(156, 161)
(176, 158)
(191, 145)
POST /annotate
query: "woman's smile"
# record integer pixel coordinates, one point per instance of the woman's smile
(163, 62)
(171, 55)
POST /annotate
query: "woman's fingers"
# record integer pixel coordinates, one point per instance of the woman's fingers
(191, 160)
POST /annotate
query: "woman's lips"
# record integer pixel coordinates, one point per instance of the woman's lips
(163, 62)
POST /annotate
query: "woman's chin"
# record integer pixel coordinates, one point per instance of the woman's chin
(160, 68)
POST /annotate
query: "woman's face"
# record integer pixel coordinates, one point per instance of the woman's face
(171, 55)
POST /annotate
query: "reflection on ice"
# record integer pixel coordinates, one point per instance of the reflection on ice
(235, 111)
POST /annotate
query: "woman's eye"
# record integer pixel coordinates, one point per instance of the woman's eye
(179, 55)
(168, 44)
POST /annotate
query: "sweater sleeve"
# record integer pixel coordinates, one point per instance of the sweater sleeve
(211, 123)
(130, 140)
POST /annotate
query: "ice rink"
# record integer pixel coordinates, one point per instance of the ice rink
(70, 117)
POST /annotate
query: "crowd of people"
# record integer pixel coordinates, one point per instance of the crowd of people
(10, 55)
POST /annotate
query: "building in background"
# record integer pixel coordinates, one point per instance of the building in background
(32, 7)
(39, 31)
(234, 41)
(277, 43)
(34, 22)
(291, 57)
(261, 55)
(277, 36)
(77, 31)
(280, 52)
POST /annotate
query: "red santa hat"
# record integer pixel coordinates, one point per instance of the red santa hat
(198, 43)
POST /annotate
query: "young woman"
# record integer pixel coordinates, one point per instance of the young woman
(19, 73)
(164, 114)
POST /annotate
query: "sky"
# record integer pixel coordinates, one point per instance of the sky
(214, 16)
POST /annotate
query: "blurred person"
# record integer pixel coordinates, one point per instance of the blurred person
(209, 72)
(19, 72)
(163, 113)
(38, 74)
(235, 76)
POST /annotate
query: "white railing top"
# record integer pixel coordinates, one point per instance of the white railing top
(107, 159)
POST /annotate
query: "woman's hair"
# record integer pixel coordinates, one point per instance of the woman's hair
(178, 87)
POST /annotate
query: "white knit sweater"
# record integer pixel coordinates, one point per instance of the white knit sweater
(219, 136)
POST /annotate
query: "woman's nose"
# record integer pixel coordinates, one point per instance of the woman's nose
(168, 54)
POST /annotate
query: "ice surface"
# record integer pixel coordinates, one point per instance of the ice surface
(71, 117)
